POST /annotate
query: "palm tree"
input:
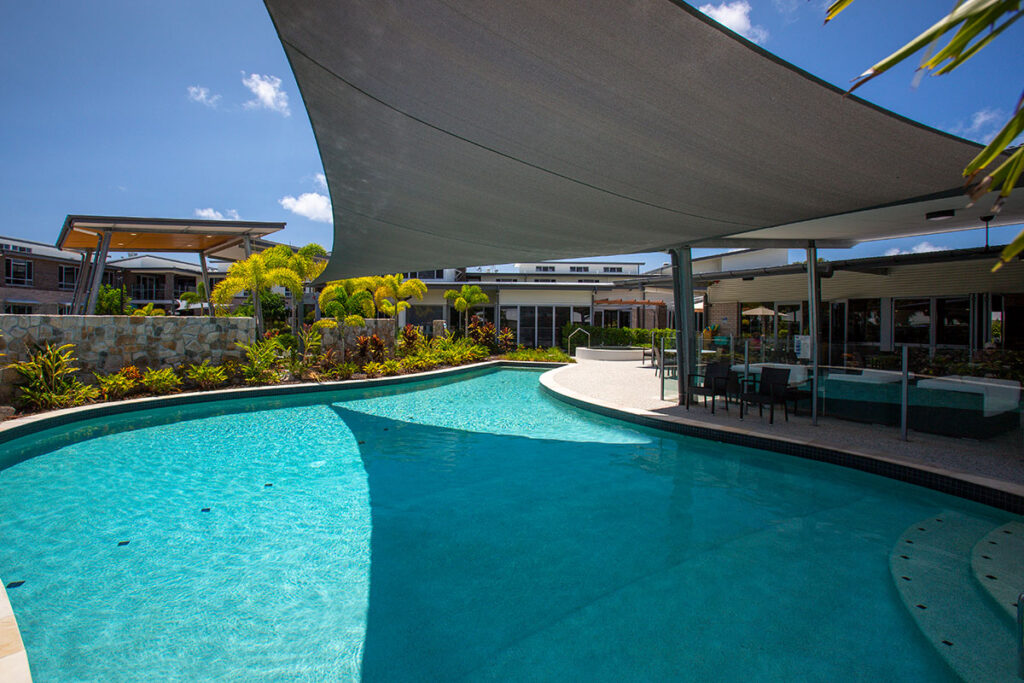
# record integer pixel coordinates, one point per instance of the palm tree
(348, 308)
(257, 273)
(393, 294)
(466, 298)
(307, 263)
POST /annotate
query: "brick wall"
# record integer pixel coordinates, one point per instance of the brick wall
(725, 315)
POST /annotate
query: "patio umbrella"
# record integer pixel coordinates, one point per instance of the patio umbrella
(760, 310)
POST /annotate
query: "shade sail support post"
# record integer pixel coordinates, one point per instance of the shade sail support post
(97, 274)
(682, 291)
(814, 297)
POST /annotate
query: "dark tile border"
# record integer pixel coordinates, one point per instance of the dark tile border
(65, 417)
(906, 473)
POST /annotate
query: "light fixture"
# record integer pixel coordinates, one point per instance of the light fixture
(940, 215)
(987, 219)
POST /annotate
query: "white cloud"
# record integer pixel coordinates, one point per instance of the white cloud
(321, 181)
(312, 205)
(919, 248)
(202, 96)
(212, 214)
(984, 125)
(736, 15)
(269, 95)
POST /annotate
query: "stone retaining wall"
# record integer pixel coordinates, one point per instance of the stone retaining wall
(382, 327)
(106, 343)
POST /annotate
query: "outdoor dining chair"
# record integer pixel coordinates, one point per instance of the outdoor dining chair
(771, 389)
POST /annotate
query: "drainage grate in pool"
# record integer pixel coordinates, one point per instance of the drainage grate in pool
(905, 578)
(15, 584)
(205, 510)
(946, 642)
(922, 607)
(120, 543)
(267, 486)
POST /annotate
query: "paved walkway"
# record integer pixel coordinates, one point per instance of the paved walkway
(630, 385)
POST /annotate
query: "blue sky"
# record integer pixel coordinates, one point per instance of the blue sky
(187, 108)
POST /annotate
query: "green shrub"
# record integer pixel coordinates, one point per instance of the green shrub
(263, 357)
(391, 367)
(411, 341)
(207, 376)
(552, 355)
(116, 385)
(338, 371)
(162, 381)
(373, 369)
(50, 380)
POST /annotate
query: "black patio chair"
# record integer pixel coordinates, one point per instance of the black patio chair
(770, 390)
(718, 380)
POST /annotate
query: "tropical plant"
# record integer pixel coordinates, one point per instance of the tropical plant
(307, 263)
(338, 371)
(391, 367)
(115, 385)
(466, 298)
(113, 301)
(196, 297)
(410, 340)
(162, 381)
(256, 274)
(131, 372)
(393, 293)
(373, 369)
(263, 356)
(377, 349)
(149, 310)
(973, 24)
(49, 379)
(207, 376)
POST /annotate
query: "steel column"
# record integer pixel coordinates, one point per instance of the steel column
(682, 291)
(97, 274)
(814, 299)
(206, 284)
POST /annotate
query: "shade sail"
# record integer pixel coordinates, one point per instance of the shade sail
(458, 133)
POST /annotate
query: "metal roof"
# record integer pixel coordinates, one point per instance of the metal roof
(160, 234)
(458, 132)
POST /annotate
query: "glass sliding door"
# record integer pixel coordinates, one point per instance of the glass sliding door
(510, 319)
(562, 315)
(545, 326)
(528, 325)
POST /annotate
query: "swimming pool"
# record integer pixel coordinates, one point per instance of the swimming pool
(472, 529)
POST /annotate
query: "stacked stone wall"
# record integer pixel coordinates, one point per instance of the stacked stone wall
(106, 343)
(382, 327)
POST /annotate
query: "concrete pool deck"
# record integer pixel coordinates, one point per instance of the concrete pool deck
(996, 463)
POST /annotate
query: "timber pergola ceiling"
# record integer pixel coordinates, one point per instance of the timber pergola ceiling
(210, 237)
(458, 133)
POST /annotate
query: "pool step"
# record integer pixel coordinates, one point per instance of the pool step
(998, 564)
(931, 568)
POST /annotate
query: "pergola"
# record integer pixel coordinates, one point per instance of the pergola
(458, 133)
(96, 236)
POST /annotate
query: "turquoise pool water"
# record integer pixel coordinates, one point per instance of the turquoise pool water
(474, 529)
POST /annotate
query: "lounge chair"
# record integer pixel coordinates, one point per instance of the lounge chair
(770, 390)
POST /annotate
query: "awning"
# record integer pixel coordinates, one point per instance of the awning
(161, 234)
(458, 133)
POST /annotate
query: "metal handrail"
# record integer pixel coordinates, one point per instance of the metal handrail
(568, 340)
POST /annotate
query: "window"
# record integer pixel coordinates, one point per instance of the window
(146, 288)
(506, 279)
(182, 285)
(18, 272)
(587, 280)
(912, 321)
(67, 276)
(17, 309)
(953, 321)
(579, 269)
(14, 247)
(543, 279)
(545, 269)
(613, 269)
(109, 278)
(63, 309)
(864, 321)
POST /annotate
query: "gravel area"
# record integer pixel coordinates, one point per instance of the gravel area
(631, 385)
